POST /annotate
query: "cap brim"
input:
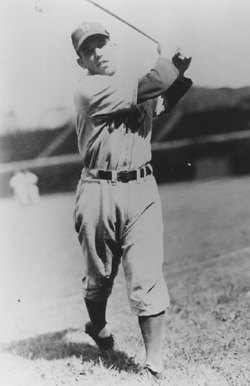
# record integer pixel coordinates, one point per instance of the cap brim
(87, 35)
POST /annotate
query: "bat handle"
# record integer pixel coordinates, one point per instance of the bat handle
(159, 48)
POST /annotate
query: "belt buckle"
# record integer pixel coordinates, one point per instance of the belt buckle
(122, 176)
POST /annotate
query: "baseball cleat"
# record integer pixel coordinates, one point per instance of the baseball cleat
(106, 343)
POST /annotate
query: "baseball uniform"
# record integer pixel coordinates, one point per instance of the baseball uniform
(118, 214)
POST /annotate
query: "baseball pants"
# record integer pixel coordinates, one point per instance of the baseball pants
(118, 223)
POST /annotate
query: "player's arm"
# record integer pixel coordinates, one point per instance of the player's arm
(181, 85)
(157, 81)
(166, 79)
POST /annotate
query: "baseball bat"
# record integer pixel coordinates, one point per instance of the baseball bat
(122, 20)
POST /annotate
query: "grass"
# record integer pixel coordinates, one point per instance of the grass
(207, 341)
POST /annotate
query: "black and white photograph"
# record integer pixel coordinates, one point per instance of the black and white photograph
(124, 193)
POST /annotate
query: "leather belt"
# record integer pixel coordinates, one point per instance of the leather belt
(125, 176)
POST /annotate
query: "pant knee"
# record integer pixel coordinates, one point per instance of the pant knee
(149, 300)
(99, 291)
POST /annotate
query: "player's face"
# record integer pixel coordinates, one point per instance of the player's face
(97, 55)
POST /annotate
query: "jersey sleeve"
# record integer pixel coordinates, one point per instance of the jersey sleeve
(175, 92)
(163, 80)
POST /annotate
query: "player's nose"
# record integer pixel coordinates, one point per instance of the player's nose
(98, 52)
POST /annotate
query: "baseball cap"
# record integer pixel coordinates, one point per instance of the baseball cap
(85, 30)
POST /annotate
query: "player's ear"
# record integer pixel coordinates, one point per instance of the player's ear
(81, 63)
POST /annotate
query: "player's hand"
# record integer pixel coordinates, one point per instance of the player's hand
(166, 51)
(181, 62)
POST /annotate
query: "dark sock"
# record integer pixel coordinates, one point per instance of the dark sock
(152, 328)
(97, 313)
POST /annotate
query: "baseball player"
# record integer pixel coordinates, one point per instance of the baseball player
(118, 214)
(24, 185)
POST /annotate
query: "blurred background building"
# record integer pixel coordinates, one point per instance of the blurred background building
(206, 136)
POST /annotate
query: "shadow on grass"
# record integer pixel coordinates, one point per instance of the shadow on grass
(53, 346)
